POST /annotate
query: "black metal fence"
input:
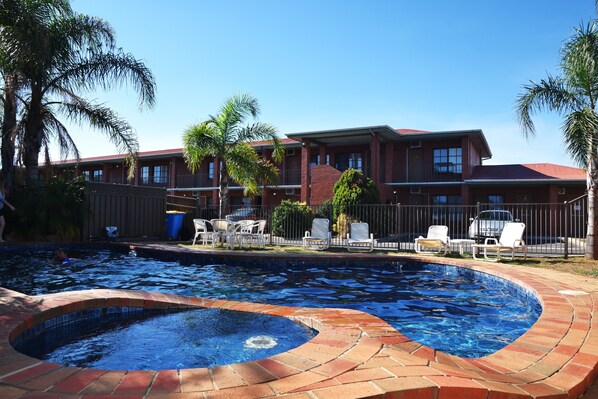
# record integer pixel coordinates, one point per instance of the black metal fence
(137, 212)
(557, 229)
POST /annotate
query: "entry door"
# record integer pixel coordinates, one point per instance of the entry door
(416, 165)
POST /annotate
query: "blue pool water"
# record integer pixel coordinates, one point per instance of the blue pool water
(452, 309)
(148, 341)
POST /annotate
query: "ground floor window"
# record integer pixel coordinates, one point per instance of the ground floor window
(495, 199)
(446, 208)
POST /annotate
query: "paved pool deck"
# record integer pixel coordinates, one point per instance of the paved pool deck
(354, 355)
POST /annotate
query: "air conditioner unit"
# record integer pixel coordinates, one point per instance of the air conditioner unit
(415, 143)
(291, 151)
(415, 190)
(289, 191)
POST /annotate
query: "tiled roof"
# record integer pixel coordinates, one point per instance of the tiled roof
(410, 131)
(157, 153)
(532, 171)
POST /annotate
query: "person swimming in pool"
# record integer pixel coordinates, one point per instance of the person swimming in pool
(60, 256)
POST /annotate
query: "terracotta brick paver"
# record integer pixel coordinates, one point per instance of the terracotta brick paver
(354, 355)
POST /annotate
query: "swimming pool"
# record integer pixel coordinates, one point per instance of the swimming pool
(452, 309)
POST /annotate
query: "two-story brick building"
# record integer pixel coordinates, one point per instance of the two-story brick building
(408, 166)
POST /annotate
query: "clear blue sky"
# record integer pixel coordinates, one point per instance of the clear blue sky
(330, 64)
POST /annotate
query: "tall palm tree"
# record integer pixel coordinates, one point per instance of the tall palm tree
(574, 95)
(225, 138)
(76, 55)
(69, 55)
(19, 19)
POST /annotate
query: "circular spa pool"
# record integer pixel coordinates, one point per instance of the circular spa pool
(141, 339)
(455, 310)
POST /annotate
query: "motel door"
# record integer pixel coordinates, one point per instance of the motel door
(416, 165)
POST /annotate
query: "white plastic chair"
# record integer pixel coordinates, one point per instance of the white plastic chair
(360, 238)
(201, 231)
(511, 240)
(254, 232)
(320, 237)
(436, 241)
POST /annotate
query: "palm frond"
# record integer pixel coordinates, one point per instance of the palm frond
(580, 130)
(119, 132)
(199, 142)
(109, 70)
(551, 95)
(579, 62)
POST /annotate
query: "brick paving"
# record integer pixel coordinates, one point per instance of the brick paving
(354, 355)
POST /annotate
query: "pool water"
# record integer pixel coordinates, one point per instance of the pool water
(179, 340)
(455, 310)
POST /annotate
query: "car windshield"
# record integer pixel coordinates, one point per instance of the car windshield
(495, 215)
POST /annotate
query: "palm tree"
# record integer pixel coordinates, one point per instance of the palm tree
(18, 21)
(70, 54)
(574, 95)
(224, 138)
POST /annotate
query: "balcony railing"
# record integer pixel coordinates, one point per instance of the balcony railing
(286, 178)
(427, 174)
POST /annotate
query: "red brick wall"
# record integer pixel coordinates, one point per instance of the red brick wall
(323, 178)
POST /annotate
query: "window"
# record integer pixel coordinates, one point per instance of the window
(448, 160)
(348, 160)
(160, 174)
(447, 208)
(211, 170)
(98, 174)
(144, 178)
(85, 174)
(315, 159)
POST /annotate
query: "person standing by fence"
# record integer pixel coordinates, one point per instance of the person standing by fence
(3, 202)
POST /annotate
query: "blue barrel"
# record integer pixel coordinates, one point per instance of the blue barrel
(174, 223)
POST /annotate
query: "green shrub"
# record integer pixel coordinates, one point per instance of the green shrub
(353, 188)
(291, 219)
(56, 209)
(324, 210)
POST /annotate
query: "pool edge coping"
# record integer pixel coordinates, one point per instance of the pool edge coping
(557, 357)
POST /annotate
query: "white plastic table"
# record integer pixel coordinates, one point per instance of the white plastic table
(462, 243)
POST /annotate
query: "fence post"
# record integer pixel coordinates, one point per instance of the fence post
(567, 213)
(399, 227)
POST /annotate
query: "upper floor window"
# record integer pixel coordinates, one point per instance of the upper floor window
(98, 174)
(315, 159)
(144, 178)
(211, 170)
(348, 160)
(448, 160)
(160, 174)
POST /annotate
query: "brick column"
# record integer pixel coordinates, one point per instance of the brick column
(105, 171)
(172, 173)
(323, 149)
(137, 173)
(305, 172)
(465, 162)
(375, 159)
(389, 166)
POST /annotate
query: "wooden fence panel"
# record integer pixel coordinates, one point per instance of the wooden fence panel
(136, 211)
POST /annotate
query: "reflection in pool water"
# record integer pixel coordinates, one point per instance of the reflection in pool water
(452, 309)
